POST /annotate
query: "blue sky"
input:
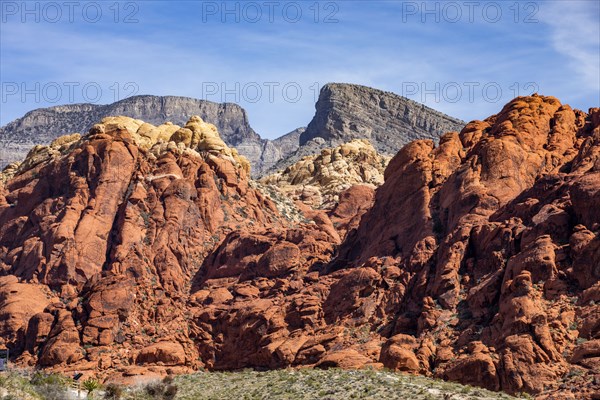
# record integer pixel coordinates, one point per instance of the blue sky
(463, 58)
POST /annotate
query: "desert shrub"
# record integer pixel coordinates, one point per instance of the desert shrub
(91, 384)
(113, 392)
(40, 378)
(50, 386)
(155, 389)
(52, 391)
(164, 390)
(170, 392)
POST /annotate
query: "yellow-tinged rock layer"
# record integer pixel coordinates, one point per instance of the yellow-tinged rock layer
(197, 135)
(318, 180)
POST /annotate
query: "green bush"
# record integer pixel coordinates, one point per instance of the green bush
(91, 384)
(50, 386)
(40, 378)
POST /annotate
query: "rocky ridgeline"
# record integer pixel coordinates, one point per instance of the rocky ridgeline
(119, 221)
(476, 261)
(343, 112)
(43, 125)
(319, 180)
(492, 242)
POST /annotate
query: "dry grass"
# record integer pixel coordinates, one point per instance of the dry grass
(307, 384)
(289, 384)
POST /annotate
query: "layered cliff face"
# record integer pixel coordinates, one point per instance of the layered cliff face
(345, 112)
(476, 261)
(44, 125)
(319, 180)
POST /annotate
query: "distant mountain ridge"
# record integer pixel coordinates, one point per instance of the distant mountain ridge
(343, 112)
(346, 111)
(43, 125)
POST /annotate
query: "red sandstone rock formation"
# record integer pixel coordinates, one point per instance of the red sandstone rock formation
(105, 238)
(495, 235)
(476, 261)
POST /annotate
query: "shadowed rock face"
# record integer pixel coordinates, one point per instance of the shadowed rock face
(476, 260)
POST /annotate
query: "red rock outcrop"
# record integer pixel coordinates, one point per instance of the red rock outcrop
(99, 241)
(498, 228)
(351, 206)
(476, 261)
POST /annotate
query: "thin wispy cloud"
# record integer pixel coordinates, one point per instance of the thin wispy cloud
(575, 34)
(174, 50)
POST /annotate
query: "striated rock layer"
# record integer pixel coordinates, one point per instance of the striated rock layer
(345, 112)
(389, 121)
(476, 261)
(319, 180)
